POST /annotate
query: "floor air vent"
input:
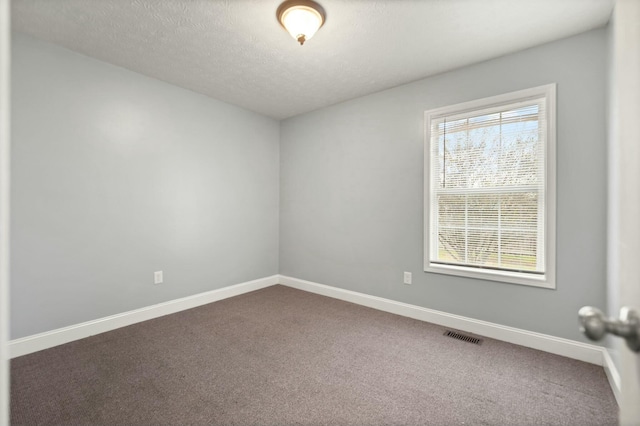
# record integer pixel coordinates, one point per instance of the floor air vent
(463, 337)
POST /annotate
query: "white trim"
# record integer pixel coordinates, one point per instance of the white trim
(492, 101)
(5, 158)
(490, 275)
(548, 280)
(571, 349)
(624, 187)
(612, 373)
(556, 345)
(38, 342)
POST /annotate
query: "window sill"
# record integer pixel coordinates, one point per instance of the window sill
(543, 281)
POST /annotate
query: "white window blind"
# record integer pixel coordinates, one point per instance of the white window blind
(487, 187)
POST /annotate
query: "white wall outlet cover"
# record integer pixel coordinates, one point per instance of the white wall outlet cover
(157, 277)
(407, 277)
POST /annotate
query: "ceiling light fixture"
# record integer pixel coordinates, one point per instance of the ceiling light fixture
(302, 18)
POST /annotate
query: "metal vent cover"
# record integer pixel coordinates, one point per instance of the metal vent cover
(463, 337)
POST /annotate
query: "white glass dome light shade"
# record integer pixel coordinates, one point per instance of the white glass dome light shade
(302, 22)
(301, 19)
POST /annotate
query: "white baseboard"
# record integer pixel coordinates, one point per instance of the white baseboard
(612, 373)
(38, 342)
(569, 348)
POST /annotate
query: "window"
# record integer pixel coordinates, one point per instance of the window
(490, 188)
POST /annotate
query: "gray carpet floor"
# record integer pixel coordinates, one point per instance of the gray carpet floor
(281, 356)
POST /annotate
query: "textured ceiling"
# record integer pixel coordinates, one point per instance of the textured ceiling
(237, 52)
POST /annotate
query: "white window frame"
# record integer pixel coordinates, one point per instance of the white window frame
(546, 280)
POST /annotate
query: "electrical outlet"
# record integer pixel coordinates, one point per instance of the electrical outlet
(407, 277)
(157, 277)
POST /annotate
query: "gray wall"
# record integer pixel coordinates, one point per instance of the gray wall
(115, 176)
(351, 197)
(613, 343)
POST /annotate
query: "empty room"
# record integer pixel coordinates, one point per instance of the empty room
(270, 212)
